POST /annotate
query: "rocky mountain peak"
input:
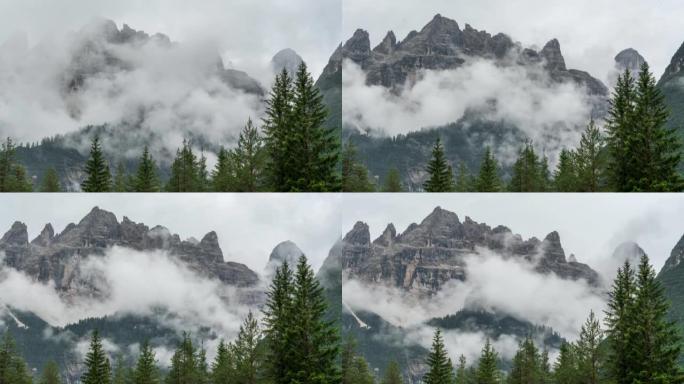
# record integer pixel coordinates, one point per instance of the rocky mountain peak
(357, 48)
(210, 245)
(629, 59)
(17, 235)
(676, 256)
(286, 251)
(45, 237)
(440, 216)
(674, 69)
(286, 59)
(388, 236)
(553, 56)
(359, 235)
(552, 248)
(388, 44)
(441, 24)
(628, 251)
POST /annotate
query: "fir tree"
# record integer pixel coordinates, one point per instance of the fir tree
(222, 368)
(247, 352)
(146, 371)
(464, 180)
(565, 368)
(120, 179)
(184, 363)
(392, 181)
(50, 374)
(97, 367)
(202, 174)
(488, 180)
(13, 369)
(146, 179)
(589, 352)
(354, 175)
(565, 176)
(278, 132)
(487, 371)
(50, 181)
(544, 174)
(621, 132)
(98, 178)
(249, 160)
(185, 174)
(12, 175)
(441, 177)
(527, 172)
(590, 160)
(392, 374)
(619, 325)
(526, 364)
(278, 319)
(461, 372)
(440, 370)
(223, 174)
(121, 373)
(347, 356)
(202, 373)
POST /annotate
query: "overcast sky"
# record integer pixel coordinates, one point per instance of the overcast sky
(249, 226)
(590, 225)
(591, 32)
(248, 31)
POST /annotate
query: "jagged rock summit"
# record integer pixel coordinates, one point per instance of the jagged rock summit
(427, 255)
(286, 59)
(287, 251)
(56, 258)
(629, 59)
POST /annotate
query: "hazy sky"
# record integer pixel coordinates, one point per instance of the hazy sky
(250, 32)
(590, 225)
(249, 226)
(591, 32)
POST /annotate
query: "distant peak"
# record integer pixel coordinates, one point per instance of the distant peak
(359, 235)
(554, 58)
(17, 235)
(286, 59)
(46, 236)
(629, 59)
(388, 44)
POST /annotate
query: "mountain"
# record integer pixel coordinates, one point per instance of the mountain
(443, 45)
(629, 59)
(671, 83)
(286, 59)
(330, 84)
(671, 276)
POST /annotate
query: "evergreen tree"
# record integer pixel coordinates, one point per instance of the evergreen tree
(590, 160)
(565, 176)
(249, 160)
(440, 370)
(223, 174)
(619, 325)
(278, 132)
(202, 374)
(347, 357)
(392, 181)
(184, 363)
(120, 179)
(247, 352)
(487, 371)
(98, 178)
(278, 319)
(621, 132)
(185, 171)
(146, 371)
(462, 376)
(464, 181)
(13, 369)
(50, 374)
(146, 179)
(97, 367)
(202, 174)
(488, 180)
(392, 374)
(50, 181)
(12, 175)
(222, 368)
(354, 175)
(589, 352)
(544, 175)
(565, 368)
(527, 171)
(526, 364)
(545, 368)
(441, 177)
(121, 373)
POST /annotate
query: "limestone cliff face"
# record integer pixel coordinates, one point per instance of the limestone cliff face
(427, 255)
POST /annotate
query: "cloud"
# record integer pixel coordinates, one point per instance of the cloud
(549, 113)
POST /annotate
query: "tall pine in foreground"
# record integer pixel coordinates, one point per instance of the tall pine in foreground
(50, 374)
(278, 135)
(185, 171)
(12, 366)
(249, 160)
(487, 370)
(590, 357)
(619, 325)
(146, 371)
(529, 171)
(590, 160)
(12, 175)
(97, 368)
(440, 174)
(98, 178)
(248, 351)
(278, 320)
(146, 179)
(488, 179)
(440, 370)
(565, 177)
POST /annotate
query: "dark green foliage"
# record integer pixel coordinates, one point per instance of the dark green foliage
(50, 374)
(50, 181)
(487, 370)
(98, 178)
(392, 181)
(202, 174)
(223, 366)
(440, 370)
(223, 174)
(185, 171)
(278, 133)
(354, 367)
(120, 181)
(184, 364)
(248, 352)
(354, 174)
(278, 317)
(464, 180)
(440, 177)
(566, 367)
(488, 179)
(392, 374)
(590, 357)
(565, 177)
(146, 371)
(146, 179)
(527, 365)
(12, 175)
(590, 160)
(13, 369)
(97, 367)
(528, 172)
(122, 373)
(249, 160)
(462, 373)
(619, 321)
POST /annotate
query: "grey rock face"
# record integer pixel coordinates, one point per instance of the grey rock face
(441, 45)
(286, 251)
(57, 259)
(674, 69)
(629, 59)
(427, 255)
(286, 59)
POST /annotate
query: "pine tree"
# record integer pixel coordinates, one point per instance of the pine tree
(249, 160)
(565, 176)
(392, 181)
(202, 174)
(655, 344)
(278, 132)
(589, 352)
(223, 174)
(50, 374)
(146, 179)
(315, 150)
(13, 368)
(185, 171)
(146, 371)
(619, 325)
(12, 175)
(441, 177)
(347, 356)
(120, 179)
(440, 370)
(97, 367)
(590, 160)
(98, 178)
(464, 180)
(461, 372)
(545, 375)
(222, 368)
(526, 364)
(184, 363)
(202, 372)
(527, 172)
(565, 368)
(392, 374)
(247, 352)
(278, 320)
(488, 180)
(121, 373)
(487, 371)
(621, 132)
(50, 181)
(354, 175)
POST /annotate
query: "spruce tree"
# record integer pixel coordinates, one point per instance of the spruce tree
(527, 171)
(620, 125)
(222, 368)
(12, 175)
(278, 320)
(249, 160)
(462, 376)
(121, 373)
(488, 179)
(13, 369)
(202, 373)
(347, 356)
(247, 352)
(50, 181)
(392, 181)
(98, 177)
(97, 369)
(464, 180)
(544, 175)
(565, 176)
(278, 132)
(354, 175)
(526, 364)
(620, 324)
(440, 175)
(565, 368)
(590, 160)
(589, 352)
(146, 371)
(487, 371)
(146, 179)
(223, 174)
(202, 174)
(440, 370)
(184, 363)
(120, 179)
(50, 374)
(185, 172)
(392, 374)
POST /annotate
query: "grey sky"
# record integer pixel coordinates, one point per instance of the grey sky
(248, 225)
(249, 32)
(591, 32)
(590, 225)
